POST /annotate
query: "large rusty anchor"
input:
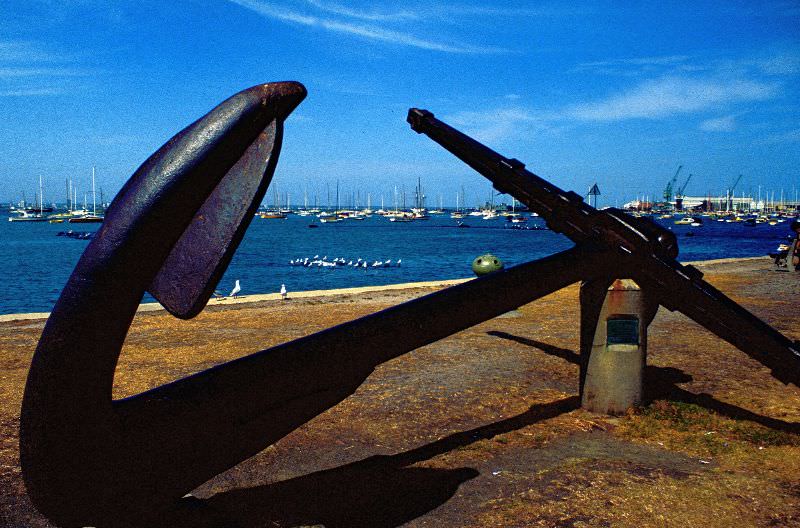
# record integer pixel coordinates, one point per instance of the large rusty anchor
(172, 230)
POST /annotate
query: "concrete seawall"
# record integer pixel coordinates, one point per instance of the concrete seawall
(226, 301)
(259, 297)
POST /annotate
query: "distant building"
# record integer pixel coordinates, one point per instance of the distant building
(715, 203)
(638, 205)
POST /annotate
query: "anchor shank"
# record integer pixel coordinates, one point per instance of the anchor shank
(199, 426)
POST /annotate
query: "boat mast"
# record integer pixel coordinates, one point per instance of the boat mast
(94, 202)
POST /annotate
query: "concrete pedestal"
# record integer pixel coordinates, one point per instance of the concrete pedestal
(614, 322)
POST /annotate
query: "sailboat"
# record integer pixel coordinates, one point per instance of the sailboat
(457, 214)
(330, 218)
(419, 212)
(402, 215)
(440, 210)
(304, 211)
(514, 217)
(275, 212)
(24, 215)
(92, 218)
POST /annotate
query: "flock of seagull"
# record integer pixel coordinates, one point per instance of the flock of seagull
(318, 262)
(323, 262)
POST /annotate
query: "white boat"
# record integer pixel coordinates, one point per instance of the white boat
(401, 218)
(420, 213)
(272, 215)
(88, 218)
(24, 216)
(329, 218)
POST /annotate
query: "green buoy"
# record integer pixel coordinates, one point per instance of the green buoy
(486, 264)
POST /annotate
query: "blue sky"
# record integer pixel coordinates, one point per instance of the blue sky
(593, 92)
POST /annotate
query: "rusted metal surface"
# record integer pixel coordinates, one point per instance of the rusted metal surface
(641, 249)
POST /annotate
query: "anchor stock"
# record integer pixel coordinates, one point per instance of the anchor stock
(642, 249)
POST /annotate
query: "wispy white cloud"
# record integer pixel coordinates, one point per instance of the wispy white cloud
(27, 70)
(24, 52)
(297, 117)
(780, 64)
(30, 92)
(791, 136)
(368, 31)
(666, 96)
(447, 12)
(492, 126)
(338, 9)
(11, 72)
(636, 66)
(668, 60)
(719, 124)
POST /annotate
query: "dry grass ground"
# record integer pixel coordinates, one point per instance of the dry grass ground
(483, 428)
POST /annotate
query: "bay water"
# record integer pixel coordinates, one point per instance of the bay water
(37, 262)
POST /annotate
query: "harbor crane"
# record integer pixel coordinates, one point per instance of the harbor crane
(668, 189)
(683, 187)
(679, 194)
(730, 192)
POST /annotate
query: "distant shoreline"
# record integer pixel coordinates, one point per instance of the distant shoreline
(259, 297)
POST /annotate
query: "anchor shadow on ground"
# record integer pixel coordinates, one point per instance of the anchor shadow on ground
(661, 383)
(377, 492)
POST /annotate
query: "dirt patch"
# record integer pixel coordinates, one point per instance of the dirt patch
(482, 428)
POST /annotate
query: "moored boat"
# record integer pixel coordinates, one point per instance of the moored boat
(272, 215)
(86, 219)
(24, 216)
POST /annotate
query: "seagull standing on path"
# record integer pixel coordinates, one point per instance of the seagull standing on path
(236, 289)
(283, 292)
